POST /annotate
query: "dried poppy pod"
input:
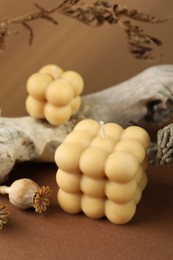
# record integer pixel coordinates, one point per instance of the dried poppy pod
(25, 193)
(54, 94)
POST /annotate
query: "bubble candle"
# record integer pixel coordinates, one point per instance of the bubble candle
(102, 170)
(54, 94)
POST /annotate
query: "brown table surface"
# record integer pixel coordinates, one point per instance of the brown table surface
(58, 235)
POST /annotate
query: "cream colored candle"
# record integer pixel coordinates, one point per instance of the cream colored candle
(137, 133)
(52, 70)
(120, 192)
(120, 213)
(102, 170)
(67, 157)
(82, 137)
(93, 207)
(75, 104)
(37, 84)
(75, 79)
(121, 167)
(60, 91)
(35, 106)
(69, 182)
(92, 162)
(89, 125)
(70, 202)
(92, 187)
(57, 115)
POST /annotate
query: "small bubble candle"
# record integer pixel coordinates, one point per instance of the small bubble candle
(54, 94)
(102, 170)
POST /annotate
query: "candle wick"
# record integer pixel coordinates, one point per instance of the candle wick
(53, 71)
(103, 133)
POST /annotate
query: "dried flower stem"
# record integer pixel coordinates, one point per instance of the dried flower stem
(96, 14)
(3, 215)
(165, 145)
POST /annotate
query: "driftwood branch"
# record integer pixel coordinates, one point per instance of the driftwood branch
(142, 100)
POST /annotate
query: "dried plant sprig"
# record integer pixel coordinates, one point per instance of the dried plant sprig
(165, 145)
(41, 199)
(102, 11)
(140, 44)
(29, 29)
(4, 32)
(95, 14)
(142, 17)
(4, 213)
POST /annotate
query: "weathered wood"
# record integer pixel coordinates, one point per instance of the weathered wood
(142, 99)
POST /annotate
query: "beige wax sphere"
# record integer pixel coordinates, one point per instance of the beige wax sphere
(143, 182)
(90, 125)
(69, 182)
(121, 167)
(93, 187)
(52, 70)
(112, 130)
(34, 107)
(93, 207)
(69, 202)
(137, 133)
(132, 146)
(120, 213)
(82, 137)
(139, 174)
(57, 115)
(138, 195)
(75, 104)
(75, 79)
(106, 144)
(59, 92)
(36, 85)
(120, 192)
(92, 162)
(67, 157)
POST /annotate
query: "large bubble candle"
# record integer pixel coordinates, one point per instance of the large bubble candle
(102, 170)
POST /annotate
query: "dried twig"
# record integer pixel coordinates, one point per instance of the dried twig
(139, 43)
(100, 12)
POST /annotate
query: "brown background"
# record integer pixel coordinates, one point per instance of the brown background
(100, 55)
